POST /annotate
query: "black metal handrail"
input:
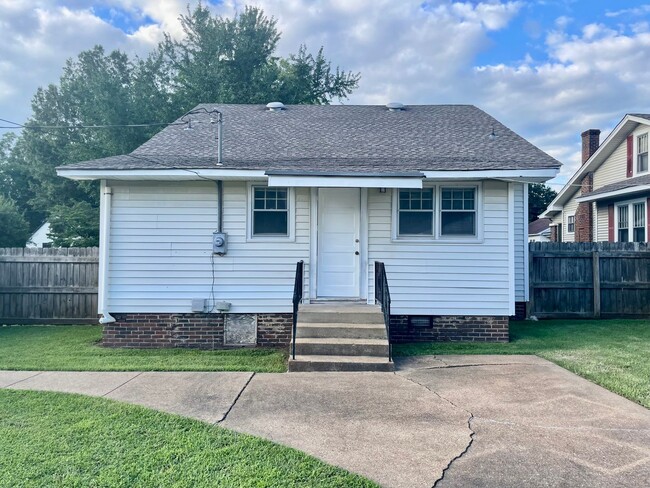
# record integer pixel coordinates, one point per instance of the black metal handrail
(297, 298)
(382, 295)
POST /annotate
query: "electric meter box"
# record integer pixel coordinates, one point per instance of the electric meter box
(219, 243)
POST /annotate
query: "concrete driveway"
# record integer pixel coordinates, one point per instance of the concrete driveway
(455, 421)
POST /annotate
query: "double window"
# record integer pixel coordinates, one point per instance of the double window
(270, 211)
(571, 223)
(631, 222)
(642, 153)
(455, 214)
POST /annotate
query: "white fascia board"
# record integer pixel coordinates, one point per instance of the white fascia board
(161, 174)
(614, 194)
(344, 181)
(519, 175)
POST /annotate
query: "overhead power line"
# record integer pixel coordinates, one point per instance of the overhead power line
(16, 125)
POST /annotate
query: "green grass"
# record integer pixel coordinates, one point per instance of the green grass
(58, 439)
(75, 348)
(612, 353)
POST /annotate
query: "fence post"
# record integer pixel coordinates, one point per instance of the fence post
(595, 257)
(531, 284)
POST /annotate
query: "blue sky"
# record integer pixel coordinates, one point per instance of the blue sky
(549, 69)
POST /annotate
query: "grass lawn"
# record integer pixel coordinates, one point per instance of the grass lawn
(75, 348)
(58, 439)
(612, 353)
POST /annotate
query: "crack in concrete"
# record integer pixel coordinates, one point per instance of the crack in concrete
(24, 379)
(120, 386)
(472, 434)
(223, 419)
(449, 366)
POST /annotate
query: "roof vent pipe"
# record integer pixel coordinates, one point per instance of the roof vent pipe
(275, 106)
(395, 106)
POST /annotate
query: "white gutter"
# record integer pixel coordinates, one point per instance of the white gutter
(344, 181)
(519, 176)
(160, 174)
(614, 193)
(104, 240)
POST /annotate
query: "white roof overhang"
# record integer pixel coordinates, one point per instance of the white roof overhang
(623, 192)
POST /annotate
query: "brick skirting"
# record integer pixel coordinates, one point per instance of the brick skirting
(189, 330)
(450, 328)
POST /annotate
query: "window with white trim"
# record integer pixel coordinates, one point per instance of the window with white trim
(458, 211)
(270, 211)
(571, 224)
(642, 153)
(415, 212)
(631, 222)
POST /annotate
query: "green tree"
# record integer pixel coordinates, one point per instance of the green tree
(219, 60)
(539, 196)
(14, 230)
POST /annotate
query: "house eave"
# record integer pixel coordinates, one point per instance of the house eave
(624, 192)
(160, 174)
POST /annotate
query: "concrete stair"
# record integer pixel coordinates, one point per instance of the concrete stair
(341, 337)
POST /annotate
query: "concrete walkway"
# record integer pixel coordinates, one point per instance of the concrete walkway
(455, 421)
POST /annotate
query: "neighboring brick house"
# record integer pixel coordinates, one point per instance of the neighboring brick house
(608, 198)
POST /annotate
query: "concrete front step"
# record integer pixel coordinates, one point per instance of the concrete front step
(340, 314)
(341, 331)
(340, 363)
(342, 347)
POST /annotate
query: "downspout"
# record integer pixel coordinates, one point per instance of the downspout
(104, 239)
(220, 206)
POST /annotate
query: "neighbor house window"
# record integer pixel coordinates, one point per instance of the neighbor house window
(642, 157)
(571, 223)
(623, 223)
(631, 225)
(270, 211)
(458, 211)
(415, 212)
(638, 222)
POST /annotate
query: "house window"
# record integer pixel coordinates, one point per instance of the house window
(458, 212)
(638, 222)
(415, 212)
(571, 224)
(623, 223)
(270, 211)
(642, 156)
(631, 225)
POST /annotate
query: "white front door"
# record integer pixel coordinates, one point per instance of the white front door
(338, 243)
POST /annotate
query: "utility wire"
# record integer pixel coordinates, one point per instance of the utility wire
(16, 125)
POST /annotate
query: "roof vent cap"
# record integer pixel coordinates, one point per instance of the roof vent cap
(275, 106)
(395, 106)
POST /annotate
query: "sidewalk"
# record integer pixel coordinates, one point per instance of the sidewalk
(446, 420)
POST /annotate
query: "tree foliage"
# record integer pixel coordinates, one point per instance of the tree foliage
(14, 230)
(218, 60)
(539, 197)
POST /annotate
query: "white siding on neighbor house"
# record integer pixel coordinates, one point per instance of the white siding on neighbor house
(602, 219)
(439, 278)
(521, 241)
(161, 250)
(569, 209)
(613, 169)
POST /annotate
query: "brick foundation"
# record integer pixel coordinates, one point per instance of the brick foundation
(451, 329)
(189, 330)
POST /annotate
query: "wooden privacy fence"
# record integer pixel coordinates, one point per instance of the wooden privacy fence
(48, 286)
(599, 279)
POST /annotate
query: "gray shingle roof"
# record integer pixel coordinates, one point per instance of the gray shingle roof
(343, 138)
(538, 226)
(643, 116)
(621, 185)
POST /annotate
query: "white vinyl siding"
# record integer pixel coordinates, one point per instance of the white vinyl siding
(444, 278)
(569, 210)
(521, 241)
(161, 247)
(602, 219)
(613, 169)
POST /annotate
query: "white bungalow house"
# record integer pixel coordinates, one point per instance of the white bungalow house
(438, 194)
